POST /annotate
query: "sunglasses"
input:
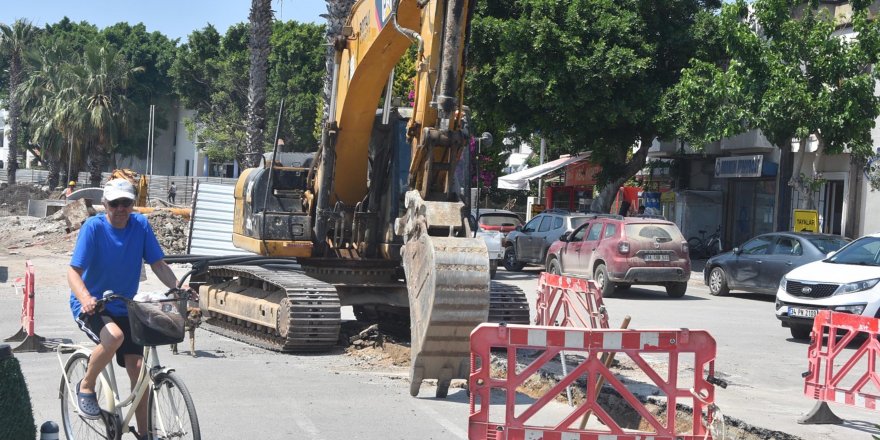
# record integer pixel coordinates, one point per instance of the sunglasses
(125, 203)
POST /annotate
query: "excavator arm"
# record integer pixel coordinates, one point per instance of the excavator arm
(447, 269)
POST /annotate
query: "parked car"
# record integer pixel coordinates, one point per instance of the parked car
(759, 264)
(494, 239)
(847, 281)
(618, 252)
(529, 243)
(500, 220)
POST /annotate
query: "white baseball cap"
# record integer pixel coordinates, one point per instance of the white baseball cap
(118, 189)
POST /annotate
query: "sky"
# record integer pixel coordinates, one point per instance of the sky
(174, 18)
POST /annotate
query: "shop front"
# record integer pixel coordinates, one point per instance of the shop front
(575, 190)
(751, 189)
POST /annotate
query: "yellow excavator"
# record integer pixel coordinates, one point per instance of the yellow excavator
(376, 218)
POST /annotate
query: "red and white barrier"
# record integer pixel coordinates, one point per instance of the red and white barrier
(30, 341)
(569, 302)
(517, 419)
(852, 383)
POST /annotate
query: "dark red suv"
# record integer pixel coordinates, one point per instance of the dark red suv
(618, 252)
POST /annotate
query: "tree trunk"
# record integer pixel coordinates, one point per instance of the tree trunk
(97, 162)
(261, 30)
(54, 167)
(602, 203)
(807, 184)
(14, 119)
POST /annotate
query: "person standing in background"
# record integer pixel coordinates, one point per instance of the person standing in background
(69, 190)
(172, 192)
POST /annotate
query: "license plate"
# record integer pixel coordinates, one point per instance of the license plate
(656, 257)
(798, 312)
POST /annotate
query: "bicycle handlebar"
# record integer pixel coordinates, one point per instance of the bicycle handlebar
(109, 296)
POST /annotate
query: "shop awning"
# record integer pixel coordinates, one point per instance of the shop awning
(520, 179)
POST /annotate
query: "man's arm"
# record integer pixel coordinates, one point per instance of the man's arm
(78, 287)
(164, 273)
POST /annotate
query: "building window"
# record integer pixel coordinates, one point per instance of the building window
(186, 168)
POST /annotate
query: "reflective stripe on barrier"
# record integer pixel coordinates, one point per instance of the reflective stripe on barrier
(569, 302)
(524, 418)
(845, 383)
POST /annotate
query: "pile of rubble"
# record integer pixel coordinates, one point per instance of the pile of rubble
(58, 232)
(171, 230)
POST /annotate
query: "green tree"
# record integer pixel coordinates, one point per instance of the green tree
(95, 99)
(296, 66)
(258, 47)
(155, 53)
(584, 74)
(787, 73)
(39, 98)
(208, 78)
(15, 41)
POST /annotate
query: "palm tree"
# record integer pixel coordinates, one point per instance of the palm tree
(261, 29)
(94, 103)
(38, 98)
(15, 42)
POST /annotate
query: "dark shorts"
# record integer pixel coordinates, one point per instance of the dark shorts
(94, 323)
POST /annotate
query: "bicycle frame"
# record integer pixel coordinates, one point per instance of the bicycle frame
(150, 365)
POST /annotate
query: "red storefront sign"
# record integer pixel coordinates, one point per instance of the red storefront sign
(581, 173)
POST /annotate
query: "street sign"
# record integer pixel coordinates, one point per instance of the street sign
(806, 220)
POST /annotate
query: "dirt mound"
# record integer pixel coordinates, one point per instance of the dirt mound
(14, 198)
(373, 347)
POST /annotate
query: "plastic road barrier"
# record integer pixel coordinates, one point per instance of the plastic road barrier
(30, 341)
(852, 383)
(522, 418)
(569, 302)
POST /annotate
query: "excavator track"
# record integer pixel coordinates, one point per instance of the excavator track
(277, 309)
(508, 304)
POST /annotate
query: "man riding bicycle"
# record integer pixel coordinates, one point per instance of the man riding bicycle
(108, 255)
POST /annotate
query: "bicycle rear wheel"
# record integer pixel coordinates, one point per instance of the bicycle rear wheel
(75, 426)
(172, 414)
(696, 248)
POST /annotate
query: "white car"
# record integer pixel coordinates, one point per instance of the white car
(494, 243)
(847, 281)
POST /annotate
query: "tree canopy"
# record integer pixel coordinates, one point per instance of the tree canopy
(586, 75)
(788, 70)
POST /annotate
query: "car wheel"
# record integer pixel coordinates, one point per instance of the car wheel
(800, 331)
(606, 286)
(493, 268)
(718, 282)
(676, 290)
(510, 261)
(553, 267)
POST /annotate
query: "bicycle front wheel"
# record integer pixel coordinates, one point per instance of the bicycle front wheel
(75, 426)
(172, 414)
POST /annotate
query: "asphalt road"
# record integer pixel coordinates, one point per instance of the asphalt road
(245, 392)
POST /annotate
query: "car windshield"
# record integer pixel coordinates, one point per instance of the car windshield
(828, 244)
(864, 252)
(577, 221)
(661, 233)
(499, 220)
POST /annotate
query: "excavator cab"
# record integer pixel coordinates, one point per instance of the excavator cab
(269, 216)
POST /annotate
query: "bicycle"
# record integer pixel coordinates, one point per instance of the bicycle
(703, 247)
(171, 413)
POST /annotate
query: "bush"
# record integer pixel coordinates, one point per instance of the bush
(16, 415)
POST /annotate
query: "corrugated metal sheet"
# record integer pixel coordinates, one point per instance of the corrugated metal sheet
(212, 221)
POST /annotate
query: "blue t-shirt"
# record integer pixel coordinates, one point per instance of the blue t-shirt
(111, 258)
